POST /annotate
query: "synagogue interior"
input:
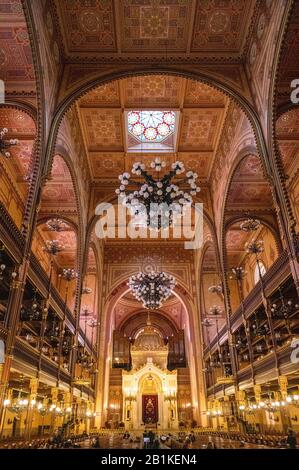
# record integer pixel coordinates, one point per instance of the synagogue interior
(117, 322)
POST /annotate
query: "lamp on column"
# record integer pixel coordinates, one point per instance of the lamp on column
(83, 358)
(68, 274)
(237, 274)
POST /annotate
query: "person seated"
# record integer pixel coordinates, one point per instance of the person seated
(291, 439)
(96, 443)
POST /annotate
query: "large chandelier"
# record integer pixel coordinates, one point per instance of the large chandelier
(152, 289)
(157, 200)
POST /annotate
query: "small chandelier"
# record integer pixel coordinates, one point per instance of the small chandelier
(215, 310)
(56, 225)
(238, 273)
(68, 274)
(86, 290)
(5, 145)
(152, 289)
(215, 289)
(53, 247)
(250, 225)
(19, 405)
(157, 200)
(255, 247)
(207, 323)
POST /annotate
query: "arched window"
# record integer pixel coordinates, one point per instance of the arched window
(259, 267)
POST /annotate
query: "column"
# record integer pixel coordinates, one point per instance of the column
(259, 413)
(11, 324)
(31, 407)
(241, 404)
(284, 411)
(54, 396)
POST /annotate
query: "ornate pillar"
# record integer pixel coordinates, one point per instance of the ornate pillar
(283, 386)
(54, 397)
(11, 324)
(31, 407)
(285, 411)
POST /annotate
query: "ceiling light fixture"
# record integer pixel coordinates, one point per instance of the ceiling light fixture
(56, 225)
(250, 225)
(152, 289)
(156, 201)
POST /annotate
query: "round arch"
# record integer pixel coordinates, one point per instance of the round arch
(193, 338)
(243, 102)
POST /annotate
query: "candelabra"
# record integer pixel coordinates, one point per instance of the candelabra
(170, 396)
(238, 273)
(130, 397)
(68, 274)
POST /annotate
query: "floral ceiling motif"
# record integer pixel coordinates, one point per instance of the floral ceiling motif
(16, 64)
(128, 27)
(287, 129)
(104, 122)
(248, 187)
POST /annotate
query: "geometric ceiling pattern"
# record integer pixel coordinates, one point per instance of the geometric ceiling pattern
(16, 64)
(67, 237)
(58, 194)
(287, 131)
(106, 28)
(249, 189)
(22, 127)
(200, 115)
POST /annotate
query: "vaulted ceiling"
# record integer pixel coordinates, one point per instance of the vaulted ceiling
(201, 115)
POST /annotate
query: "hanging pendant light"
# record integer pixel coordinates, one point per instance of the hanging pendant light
(152, 289)
(156, 201)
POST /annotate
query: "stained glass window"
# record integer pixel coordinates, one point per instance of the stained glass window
(151, 126)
